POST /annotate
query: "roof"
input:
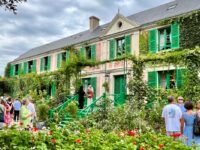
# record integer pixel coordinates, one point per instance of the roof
(164, 11)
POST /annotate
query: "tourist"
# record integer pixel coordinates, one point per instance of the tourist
(90, 94)
(17, 106)
(10, 103)
(25, 114)
(31, 108)
(197, 138)
(172, 115)
(181, 104)
(7, 116)
(81, 95)
(2, 113)
(187, 122)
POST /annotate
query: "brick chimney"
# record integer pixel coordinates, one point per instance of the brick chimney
(94, 22)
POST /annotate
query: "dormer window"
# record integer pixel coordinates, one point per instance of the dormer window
(172, 7)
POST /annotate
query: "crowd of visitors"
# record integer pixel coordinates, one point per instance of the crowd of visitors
(182, 121)
(13, 111)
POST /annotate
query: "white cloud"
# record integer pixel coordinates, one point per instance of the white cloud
(42, 21)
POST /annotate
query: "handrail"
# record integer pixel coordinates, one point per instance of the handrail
(62, 106)
(91, 106)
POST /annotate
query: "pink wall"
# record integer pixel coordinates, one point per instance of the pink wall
(98, 86)
(98, 51)
(38, 65)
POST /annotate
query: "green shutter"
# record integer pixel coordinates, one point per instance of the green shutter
(93, 83)
(112, 49)
(93, 52)
(153, 79)
(20, 69)
(34, 66)
(153, 41)
(58, 60)
(174, 35)
(82, 52)
(67, 55)
(179, 77)
(11, 70)
(53, 89)
(49, 63)
(41, 64)
(128, 44)
(168, 80)
(25, 67)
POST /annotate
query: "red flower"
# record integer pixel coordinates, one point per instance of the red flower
(131, 133)
(87, 130)
(53, 140)
(78, 141)
(176, 135)
(160, 145)
(35, 129)
(50, 132)
(142, 148)
(134, 143)
(21, 123)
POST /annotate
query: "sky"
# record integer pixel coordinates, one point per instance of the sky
(42, 21)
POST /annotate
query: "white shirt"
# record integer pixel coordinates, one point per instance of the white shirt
(172, 114)
(31, 108)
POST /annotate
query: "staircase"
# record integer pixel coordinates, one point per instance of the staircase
(95, 106)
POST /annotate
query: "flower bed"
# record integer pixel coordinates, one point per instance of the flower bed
(88, 139)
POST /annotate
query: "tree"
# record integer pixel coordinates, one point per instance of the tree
(11, 4)
(7, 71)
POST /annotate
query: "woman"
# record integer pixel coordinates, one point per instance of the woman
(2, 113)
(81, 95)
(90, 94)
(25, 114)
(197, 138)
(188, 119)
(7, 116)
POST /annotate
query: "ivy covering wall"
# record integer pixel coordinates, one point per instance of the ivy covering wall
(190, 30)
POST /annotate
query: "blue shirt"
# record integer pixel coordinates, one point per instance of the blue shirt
(181, 106)
(17, 105)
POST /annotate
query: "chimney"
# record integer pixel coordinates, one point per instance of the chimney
(94, 22)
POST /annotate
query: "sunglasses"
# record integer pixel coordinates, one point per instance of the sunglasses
(180, 99)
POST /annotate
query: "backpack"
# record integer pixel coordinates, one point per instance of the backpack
(196, 125)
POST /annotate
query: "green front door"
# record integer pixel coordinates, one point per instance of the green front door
(119, 89)
(91, 81)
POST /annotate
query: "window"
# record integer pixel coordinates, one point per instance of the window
(30, 66)
(45, 63)
(63, 56)
(164, 39)
(17, 69)
(120, 46)
(88, 52)
(167, 79)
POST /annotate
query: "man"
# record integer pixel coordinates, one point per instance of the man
(172, 115)
(17, 106)
(181, 104)
(31, 108)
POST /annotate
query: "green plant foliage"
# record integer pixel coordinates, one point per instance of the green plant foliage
(42, 111)
(76, 137)
(189, 30)
(72, 109)
(143, 42)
